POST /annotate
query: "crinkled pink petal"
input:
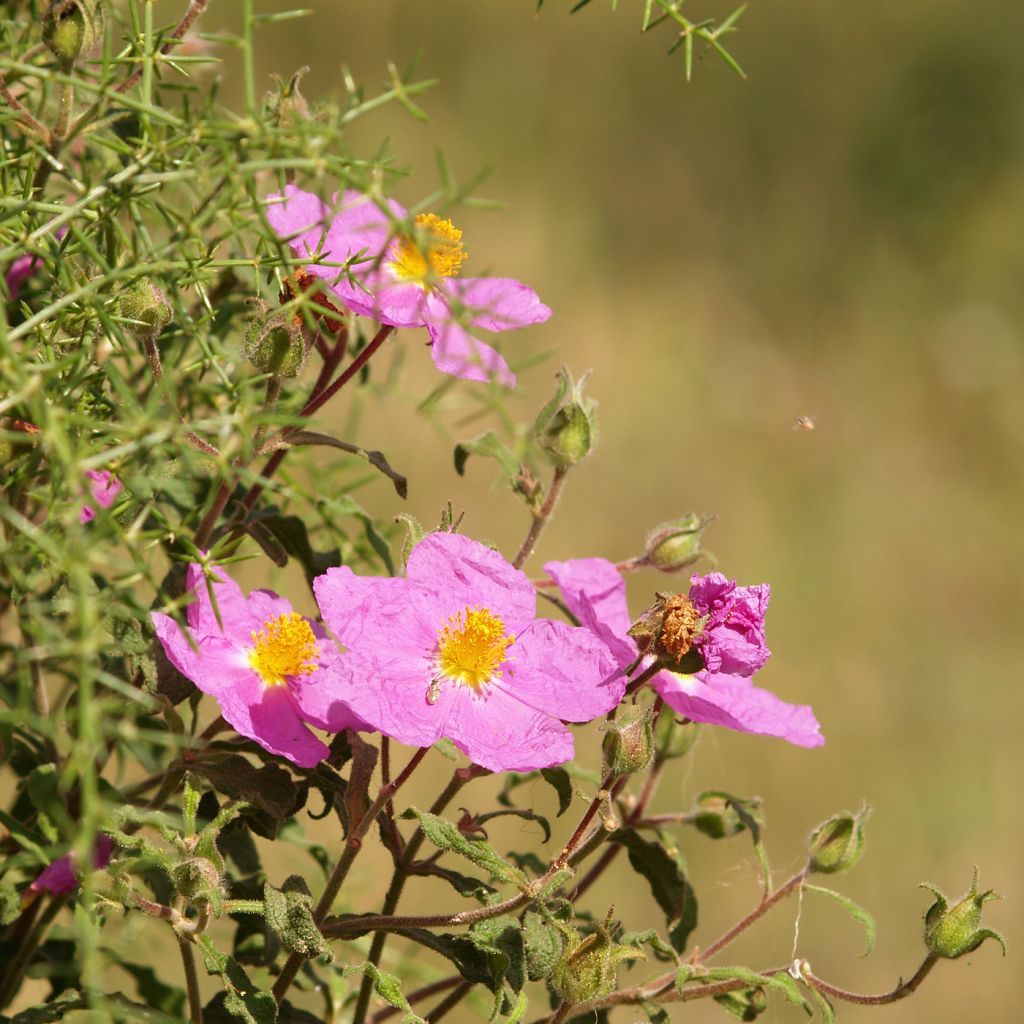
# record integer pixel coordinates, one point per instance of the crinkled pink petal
(372, 612)
(318, 695)
(495, 303)
(595, 592)
(104, 488)
(377, 295)
(461, 355)
(235, 620)
(302, 218)
(24, 267)
(462, 573)
(499, 732)
(737, 704)
(562, 671)
(733, 640)
(176, 646)
(58, 878)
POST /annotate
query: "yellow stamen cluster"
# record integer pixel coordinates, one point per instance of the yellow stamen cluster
(472, 646)
(284, 647)
(436, 252)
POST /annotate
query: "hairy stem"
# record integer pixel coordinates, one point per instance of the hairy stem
(188, 962)
(353, 844)
(901, 991)
(541, 517)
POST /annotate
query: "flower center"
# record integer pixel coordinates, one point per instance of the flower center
(284, 647)
(436, 252)
(472, 647)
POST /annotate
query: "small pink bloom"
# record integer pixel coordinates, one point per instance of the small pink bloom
(732, 645)
(454, 650)
(104, 488)
(60, 878)
(23, 268)
(405, 281)
(270, 669)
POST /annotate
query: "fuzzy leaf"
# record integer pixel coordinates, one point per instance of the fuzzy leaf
(855, 910)
(669, 887)
(270, 788)
(289, 914)
(489, 446)
(389, 988)
(543, 944)
(445, 836)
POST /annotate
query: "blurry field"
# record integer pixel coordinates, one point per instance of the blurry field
(839, 237)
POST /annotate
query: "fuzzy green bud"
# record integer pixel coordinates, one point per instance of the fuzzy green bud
(628, 744)
(146, 307)
(674, 737)
(276, 346)
(566, 426)
(674, 545)
(196, 878)
(952, 931)
(73, 28)
(716, 816)
(837, 844)
(589, 966)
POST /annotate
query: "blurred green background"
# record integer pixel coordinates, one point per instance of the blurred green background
(839, 236)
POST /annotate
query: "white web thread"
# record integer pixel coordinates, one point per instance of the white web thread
(796, 923)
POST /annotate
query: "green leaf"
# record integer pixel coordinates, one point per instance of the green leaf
(559, 780)
(517, 812)
(291, 533)
(543, 945)
(389, 988)
(10, 903)
(669, 887)
(376, 459)
(464, 885)
(445, 836)
(269, 788)
(489, 446)
(782, 982)
(44, 792)
(68, 1000)
(241, 998)
(190, 804)
(289, 914)
(855, 910)
(825, 1010)
(655, 1014)
(165, 998)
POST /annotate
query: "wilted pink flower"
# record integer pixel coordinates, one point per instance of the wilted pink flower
(59, 878)
(270, 669)
(732, 646)
(23, 268)
(104, 488)
(454, 650)
(408, 281)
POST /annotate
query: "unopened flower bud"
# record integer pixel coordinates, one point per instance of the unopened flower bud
(73, 28)
(196, 877)
(147, 309)
(676, 544)
(276, 345)
(668, 630)
(837, 844)
(288, 105)
(950, 932)
(674, 737)
(628, 744)
(566, 426)
(716, 816)
(588, 967)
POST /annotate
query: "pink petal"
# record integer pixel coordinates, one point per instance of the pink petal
(563, 671)
(376, 295)
(738, 704)
(462, 572)
(460, 354)
(235, 620)
(176, 646)
(58, 878)
(595, 592)
(318, 695)
(302, 218)
(497, 731)
(495, 303)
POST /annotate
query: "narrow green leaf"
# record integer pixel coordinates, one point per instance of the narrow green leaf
(855, 910)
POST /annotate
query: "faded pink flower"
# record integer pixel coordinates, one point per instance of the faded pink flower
(59, 878)
(270, 669)
(732, 645)
(407, 281)
(104, 488)
(454, 650)
(23, 268)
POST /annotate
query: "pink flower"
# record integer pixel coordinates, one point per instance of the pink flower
(104, 488)
(60, 878)
(732, 646)
(270, 669)
(23, 268)
(408, 282)
(454, 650)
